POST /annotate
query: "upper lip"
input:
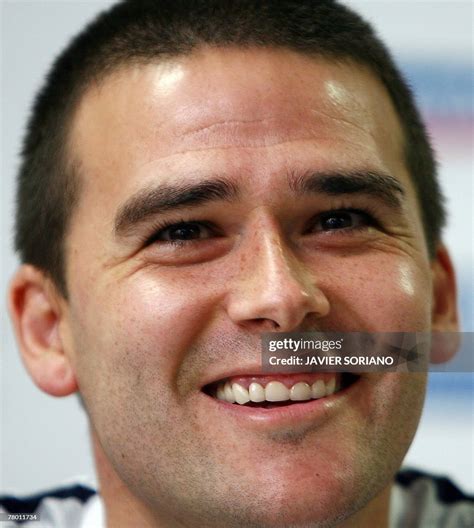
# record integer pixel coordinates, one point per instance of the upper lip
(251, 369)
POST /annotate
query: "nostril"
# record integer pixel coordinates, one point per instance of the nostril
(270, 323)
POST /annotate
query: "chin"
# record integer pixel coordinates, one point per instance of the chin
(298, 492)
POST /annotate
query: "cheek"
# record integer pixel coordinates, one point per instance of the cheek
(146, 323)
(394, 406)
(384, 294)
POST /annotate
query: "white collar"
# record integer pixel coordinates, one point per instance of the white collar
(94, 515)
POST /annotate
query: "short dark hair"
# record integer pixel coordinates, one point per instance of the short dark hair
(142, 31)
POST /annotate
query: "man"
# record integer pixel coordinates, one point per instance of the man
(196, 174)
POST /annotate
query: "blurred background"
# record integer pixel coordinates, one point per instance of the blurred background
(43, 440)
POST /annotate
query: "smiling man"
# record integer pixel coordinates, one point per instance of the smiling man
(196, 174)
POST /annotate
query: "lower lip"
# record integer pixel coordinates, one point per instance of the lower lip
(313, 411)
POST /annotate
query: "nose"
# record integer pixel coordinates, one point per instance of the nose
(274, 290)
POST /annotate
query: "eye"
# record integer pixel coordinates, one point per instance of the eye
(344, 219)
(182, 231)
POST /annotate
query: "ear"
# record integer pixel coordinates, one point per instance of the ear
(36, 308)
(445, 321)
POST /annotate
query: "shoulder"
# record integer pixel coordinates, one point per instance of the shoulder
(57, 507)
(422, 500)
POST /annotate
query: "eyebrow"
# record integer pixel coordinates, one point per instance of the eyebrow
(150, 202)
(377, 184)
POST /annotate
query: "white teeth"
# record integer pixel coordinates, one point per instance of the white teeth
(276, 391)
(241, 395)
(229, 393)
(331, 387)
(300, 391)
(318, 389)
(256, 392)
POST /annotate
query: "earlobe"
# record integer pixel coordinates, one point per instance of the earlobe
(35, 309)
(445, 322)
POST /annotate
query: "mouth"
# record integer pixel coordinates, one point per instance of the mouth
(279, 390)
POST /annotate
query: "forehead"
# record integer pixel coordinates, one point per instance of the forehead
(218, 108)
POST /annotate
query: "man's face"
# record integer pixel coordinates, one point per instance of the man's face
(256, 149)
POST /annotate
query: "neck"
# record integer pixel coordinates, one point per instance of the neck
(375, 513)
(122, 508)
